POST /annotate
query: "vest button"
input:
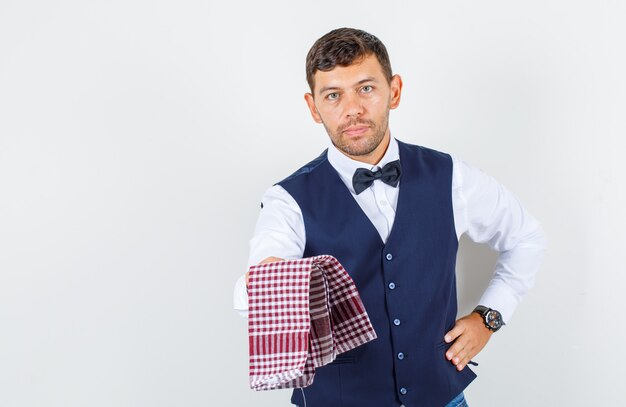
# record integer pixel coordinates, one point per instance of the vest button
(389, 256)
(403, 390)
(392, 286)
(396, 322)
(400, 355)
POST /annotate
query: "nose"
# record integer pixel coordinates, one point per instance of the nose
(353, 105)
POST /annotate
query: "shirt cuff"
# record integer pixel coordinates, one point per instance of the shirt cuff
(499, 297)
(240, 297)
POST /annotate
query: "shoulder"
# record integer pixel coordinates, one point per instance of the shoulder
(468, 176)
(423, 159)
(306, 169)
(422, 152)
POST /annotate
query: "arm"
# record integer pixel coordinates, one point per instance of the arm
(279, 234)
(490, 214)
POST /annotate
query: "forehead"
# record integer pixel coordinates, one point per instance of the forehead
(348, 76)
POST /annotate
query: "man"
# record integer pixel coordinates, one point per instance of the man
(392, 214)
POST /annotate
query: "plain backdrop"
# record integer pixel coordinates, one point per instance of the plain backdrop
(137, 137)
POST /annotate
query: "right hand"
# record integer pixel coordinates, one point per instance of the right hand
(268, 260)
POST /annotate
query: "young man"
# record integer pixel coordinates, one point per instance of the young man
(392, 214)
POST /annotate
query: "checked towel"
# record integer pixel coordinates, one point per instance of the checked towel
(302, 314)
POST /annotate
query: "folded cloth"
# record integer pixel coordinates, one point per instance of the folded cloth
(301, 315)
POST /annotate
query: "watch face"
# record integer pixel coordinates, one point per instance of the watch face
(493, 319)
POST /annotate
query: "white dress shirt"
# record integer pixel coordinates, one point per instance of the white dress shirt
(483, 209)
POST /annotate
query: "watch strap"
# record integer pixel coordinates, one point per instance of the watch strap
(482, 310)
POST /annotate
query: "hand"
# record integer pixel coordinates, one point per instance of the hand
(267, 260)
(470, 335)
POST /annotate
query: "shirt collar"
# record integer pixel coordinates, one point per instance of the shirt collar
(346, 166)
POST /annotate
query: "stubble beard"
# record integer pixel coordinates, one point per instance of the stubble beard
(362, 145)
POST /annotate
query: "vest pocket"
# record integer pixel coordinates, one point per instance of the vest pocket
(341, 359)
(443, 345)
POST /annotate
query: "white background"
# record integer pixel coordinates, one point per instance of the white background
(137, 137)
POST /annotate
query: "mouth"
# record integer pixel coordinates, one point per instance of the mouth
(355, 130)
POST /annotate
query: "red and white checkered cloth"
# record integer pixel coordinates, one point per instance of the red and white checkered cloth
(301, 315)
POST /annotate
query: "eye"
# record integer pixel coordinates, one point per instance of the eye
(332, 96)
(367, 89)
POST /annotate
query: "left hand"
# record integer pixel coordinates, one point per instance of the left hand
(470, 335)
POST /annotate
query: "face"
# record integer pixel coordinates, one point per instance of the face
(353, 104)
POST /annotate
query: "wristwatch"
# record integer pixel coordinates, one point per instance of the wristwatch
(493, 318)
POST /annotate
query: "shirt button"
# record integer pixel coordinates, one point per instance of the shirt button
(403, 390)
(396, 322)
(392, 286)
(389, 256)
(400, 355)
(383, 203)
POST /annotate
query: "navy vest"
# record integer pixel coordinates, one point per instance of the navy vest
(407, 285)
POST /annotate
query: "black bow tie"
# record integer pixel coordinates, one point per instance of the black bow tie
(389, 174)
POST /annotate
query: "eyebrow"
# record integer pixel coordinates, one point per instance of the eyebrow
(362, 81)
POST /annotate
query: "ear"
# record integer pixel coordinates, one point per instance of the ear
(396, 91)
(311, 104)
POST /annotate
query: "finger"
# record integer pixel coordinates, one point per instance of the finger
(454, 332)
(458, 354)
(456, 349)
(472, 351)
(462, 357)
(465, 360)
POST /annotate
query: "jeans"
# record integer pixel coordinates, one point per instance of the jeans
(458, 401)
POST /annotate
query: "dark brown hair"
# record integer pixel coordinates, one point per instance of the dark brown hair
(343, 47)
